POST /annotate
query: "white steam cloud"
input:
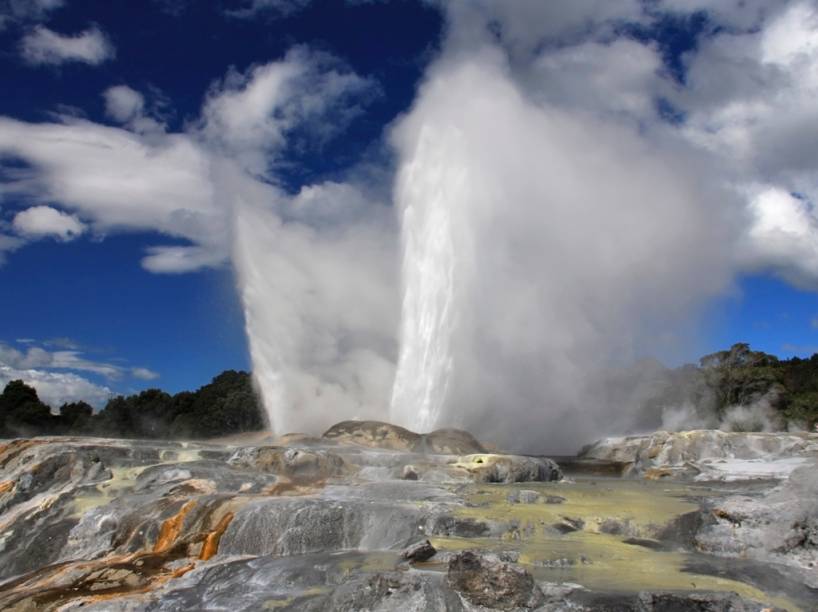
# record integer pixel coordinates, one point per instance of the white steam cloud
(543, 246)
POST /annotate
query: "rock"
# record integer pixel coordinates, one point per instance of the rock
(458, 527)
(493, 584)
(697, 602)
(409, 472)
(294, 463)
(707, 455)
(779, 527)
(451, 442)
(373, 434)
(528, 497)
(136, 525)
(394, 591)
(510, 468)
(569, 525)
(419, 552)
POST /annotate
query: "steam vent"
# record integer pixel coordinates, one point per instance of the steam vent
(371, 516)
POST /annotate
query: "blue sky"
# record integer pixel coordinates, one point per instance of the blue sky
(176, 320)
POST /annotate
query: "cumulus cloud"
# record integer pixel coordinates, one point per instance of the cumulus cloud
(44, 46)
(123, 103)
(118, 179)
(57, 388)
(252, 115)
(59, 376)
(144, 374)
(750, 99)
(38, 357)
(132, 177)
(126, 106)
(39, 221)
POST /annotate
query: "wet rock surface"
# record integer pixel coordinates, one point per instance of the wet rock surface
(493, 583)
(379, 518)
(422, 551)
(707, 455)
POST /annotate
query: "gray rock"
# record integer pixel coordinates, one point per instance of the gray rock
(493, 584)
(419, 552)
(409, 472)
(294, 463)
(697, 602)
(510, 468)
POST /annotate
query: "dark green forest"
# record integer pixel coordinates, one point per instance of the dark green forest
(225, 406)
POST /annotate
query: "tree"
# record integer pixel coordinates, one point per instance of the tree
(22, 412)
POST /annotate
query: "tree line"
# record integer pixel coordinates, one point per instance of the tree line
(738, 376)
(227, 405)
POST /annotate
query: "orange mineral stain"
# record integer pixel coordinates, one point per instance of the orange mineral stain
(211, 543)
(6, 486)
(171, 528)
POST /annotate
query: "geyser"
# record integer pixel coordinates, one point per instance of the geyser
(542, 246)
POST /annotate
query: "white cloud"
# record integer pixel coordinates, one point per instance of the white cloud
(39, 221)
(28, 10)
(38, 357)
(783, 236)
(251, 8)
(57, 388)
(624, 71)
(137, 178)
(250, 116)
(123, 103)
(9, 244)
(735, 14)
(127, 106)
(144, 374)
(35, 357)
(750, 99)
(44, 46)
(525, 26)
(117, 179)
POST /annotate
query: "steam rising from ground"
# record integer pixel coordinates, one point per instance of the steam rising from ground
(319, 305)
(542, 246)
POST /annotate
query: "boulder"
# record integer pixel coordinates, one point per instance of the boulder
(419, 552)
(373, 434)
(510, 468)
(492, 583)
(451, 442)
